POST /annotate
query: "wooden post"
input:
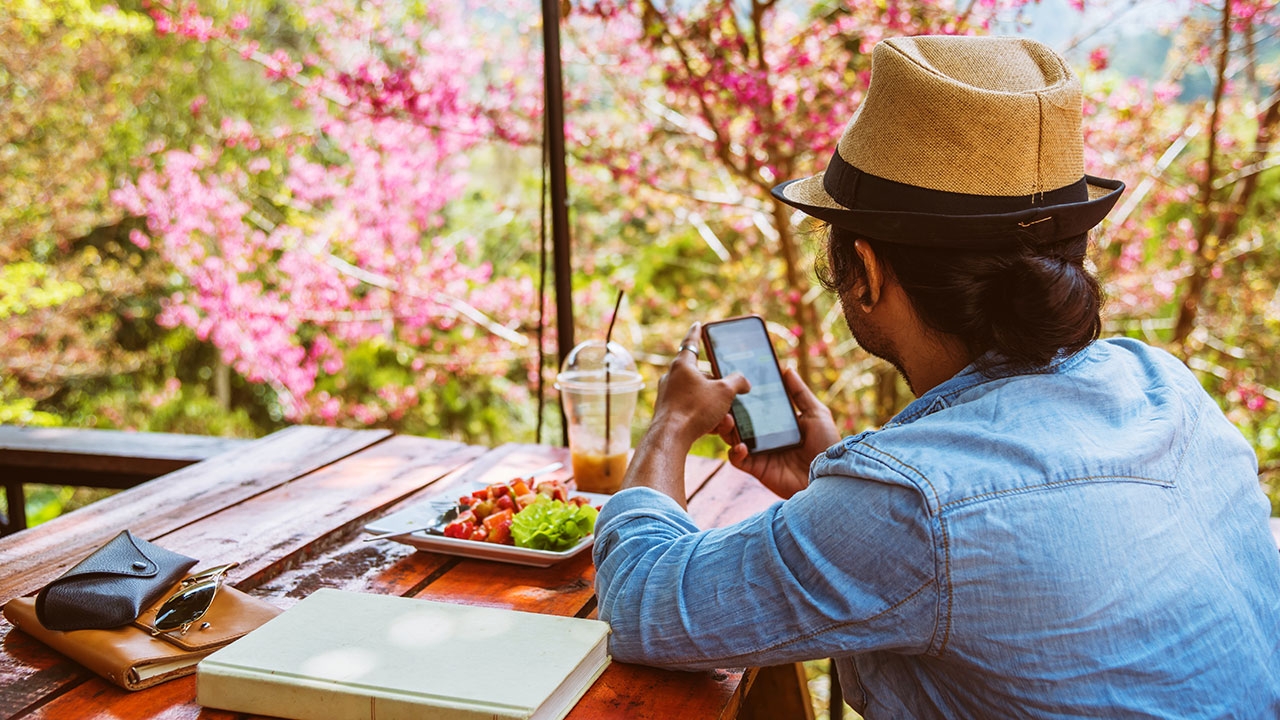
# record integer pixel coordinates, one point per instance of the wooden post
(553, 88)
(779, 692)
(16, 517)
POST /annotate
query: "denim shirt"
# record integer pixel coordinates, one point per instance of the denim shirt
(1087, 541)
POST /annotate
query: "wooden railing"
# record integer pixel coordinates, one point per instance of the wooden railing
(91, 458)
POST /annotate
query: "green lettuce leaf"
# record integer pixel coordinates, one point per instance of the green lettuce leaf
(552, 525)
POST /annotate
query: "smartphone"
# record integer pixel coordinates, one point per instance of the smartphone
(765, 417)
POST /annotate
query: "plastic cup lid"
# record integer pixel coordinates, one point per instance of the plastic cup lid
(590, 366)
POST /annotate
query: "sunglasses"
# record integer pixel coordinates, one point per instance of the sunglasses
(190, 601)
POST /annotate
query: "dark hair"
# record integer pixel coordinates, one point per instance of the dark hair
(1027, 304)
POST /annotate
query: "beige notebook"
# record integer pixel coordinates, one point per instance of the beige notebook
(340, 655)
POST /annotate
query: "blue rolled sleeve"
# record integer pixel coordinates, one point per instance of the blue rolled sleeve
(778, 587)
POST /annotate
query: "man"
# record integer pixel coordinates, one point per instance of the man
(1058, 526)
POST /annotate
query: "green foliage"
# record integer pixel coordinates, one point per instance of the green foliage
(26, 286)
(1264, 434)
(80, 20)
(46, 502)
(459, 401)
(17, 410)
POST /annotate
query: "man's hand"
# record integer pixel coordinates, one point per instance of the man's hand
(690, 404)
(786, 472)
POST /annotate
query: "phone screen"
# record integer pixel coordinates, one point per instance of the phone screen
(764, 416)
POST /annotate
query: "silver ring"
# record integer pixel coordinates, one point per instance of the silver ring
(690, 348)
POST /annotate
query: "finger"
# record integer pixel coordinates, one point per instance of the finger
(803, 398)
(690, 344)
(738, 382)
(691, 338)
(725, 427)
(728, 430)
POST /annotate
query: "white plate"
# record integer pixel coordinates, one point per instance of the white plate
(426, 513)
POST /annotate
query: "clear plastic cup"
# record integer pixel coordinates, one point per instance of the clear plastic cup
(598, 389)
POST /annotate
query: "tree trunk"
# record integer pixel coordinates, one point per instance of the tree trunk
(222, 384)
(1207, 237)
(1226, 224)
(805, 317)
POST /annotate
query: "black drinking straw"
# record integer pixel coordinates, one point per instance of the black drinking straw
(608, 415)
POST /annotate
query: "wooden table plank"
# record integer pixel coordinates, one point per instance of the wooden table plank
(97, 698)
(289, 522)
(382, 568)
(40, 671)
(633, 692)
(565, 588)
(392, 568)
(29, 671)
(730, 496)
(386, 568)
(697, 471)
(275, 529)
(37, 555)
(395, 568)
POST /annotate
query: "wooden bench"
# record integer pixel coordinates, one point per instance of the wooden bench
(92, 458)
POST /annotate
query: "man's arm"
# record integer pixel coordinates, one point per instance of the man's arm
(787, 584)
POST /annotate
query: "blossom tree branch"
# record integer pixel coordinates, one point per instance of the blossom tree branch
(1218, 224)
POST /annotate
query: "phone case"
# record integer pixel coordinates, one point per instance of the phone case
(738, 408)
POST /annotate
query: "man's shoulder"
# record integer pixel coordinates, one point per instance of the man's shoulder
(1117, 409)
(1132, 350)
(1124, 368)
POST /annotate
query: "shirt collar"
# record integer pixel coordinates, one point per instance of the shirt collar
(944, 393)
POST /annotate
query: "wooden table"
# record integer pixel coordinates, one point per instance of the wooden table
(290, 508)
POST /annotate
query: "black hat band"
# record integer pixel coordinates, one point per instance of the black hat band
(858, 190)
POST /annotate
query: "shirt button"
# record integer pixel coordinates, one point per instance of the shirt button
(139, 565)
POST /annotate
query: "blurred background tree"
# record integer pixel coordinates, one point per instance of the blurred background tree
(1190, 255)
(223, 216)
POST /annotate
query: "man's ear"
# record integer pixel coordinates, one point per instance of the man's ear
(867, 289)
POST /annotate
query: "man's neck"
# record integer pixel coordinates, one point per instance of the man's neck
(931, 359)
(892, 330)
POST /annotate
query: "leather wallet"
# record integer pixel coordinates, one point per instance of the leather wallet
(130, 656)
(111, 586)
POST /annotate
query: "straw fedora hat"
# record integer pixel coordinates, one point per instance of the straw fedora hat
(961, 142)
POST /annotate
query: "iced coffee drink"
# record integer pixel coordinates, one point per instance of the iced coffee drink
(598, 390)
